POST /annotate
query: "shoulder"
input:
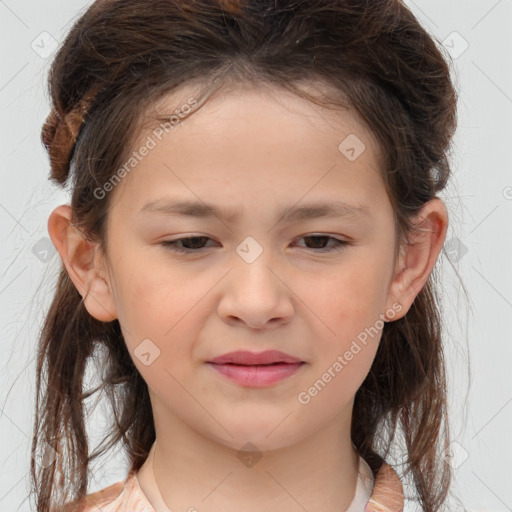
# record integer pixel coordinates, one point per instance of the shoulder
(123, 496)
(387, 492)
(106, 500)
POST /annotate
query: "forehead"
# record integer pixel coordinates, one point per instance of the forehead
(256, 140)
(255, 103)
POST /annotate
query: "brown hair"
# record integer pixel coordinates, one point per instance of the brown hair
(123, 55)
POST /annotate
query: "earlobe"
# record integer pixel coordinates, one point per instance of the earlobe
(417, 258)
(84, 264)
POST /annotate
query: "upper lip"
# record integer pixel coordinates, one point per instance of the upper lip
(251, 358)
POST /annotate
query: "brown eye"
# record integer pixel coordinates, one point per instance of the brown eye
(319, 242)
(189, 244)
(196, 244)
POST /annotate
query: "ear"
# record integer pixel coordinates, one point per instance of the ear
(84, 263)
(417, 258)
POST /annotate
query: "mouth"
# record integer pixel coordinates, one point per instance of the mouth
(246, 358)
(256, 375)
(268, 364)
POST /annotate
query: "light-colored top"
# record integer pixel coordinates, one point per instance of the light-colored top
(383, 494)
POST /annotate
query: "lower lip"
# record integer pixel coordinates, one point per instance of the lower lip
(256, 376)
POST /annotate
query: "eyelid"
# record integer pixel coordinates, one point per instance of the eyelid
(340, 243)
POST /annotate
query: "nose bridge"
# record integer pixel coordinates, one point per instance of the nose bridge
(255, 294)
(254, 259)
(251, 250)
(255, 278)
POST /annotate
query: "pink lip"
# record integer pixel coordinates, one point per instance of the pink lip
(256, 370)
(243, 357)
(256, 376)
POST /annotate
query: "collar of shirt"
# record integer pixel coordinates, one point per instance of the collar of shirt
(381, 494)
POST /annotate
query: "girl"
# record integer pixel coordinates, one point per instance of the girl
(249, 254)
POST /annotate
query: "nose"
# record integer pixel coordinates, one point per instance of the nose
(256, 293)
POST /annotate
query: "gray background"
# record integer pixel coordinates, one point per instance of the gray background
(478, 246)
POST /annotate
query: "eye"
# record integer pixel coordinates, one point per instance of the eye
(196, 243)
(196, 240)
(318, 239)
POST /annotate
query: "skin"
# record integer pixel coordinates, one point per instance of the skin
(257, 151)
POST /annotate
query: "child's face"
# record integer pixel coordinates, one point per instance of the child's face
(254, 283)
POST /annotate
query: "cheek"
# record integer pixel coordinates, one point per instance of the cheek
(351, 306)
(157, 326)
(168, 306)
(151, 299)
(346, 350)
(355, 296)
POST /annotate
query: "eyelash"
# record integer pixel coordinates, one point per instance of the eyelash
(171, 244)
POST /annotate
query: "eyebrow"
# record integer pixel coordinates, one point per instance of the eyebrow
(289, 214)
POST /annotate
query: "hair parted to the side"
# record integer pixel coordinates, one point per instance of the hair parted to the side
(123, 55)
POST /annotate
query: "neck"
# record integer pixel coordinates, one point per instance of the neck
(186, 469)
